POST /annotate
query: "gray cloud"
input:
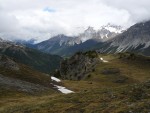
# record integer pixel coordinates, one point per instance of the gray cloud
(42, 19)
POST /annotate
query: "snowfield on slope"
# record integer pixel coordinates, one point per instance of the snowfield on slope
(103, 60)
(55, 79)
(62, 89)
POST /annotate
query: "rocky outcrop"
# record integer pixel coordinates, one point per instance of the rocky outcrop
(79, 66)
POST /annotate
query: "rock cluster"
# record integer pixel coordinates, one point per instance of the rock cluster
(79, 66)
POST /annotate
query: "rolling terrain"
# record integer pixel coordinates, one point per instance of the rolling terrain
(74, 56)
(119, 84)
(113, 79)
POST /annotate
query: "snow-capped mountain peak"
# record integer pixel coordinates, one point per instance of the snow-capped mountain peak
(104, 33)
(113, 28)
(89, 33)
(90, 30)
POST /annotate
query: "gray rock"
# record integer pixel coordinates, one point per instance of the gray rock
(79, 66)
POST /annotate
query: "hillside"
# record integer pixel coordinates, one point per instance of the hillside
(33, 58)
(119, 84)
(12, 69)
(19, 79)
(132, 98)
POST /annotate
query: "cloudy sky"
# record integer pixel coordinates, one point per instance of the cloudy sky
(41, 19)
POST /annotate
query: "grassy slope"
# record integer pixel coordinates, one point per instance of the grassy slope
(27, 74)
(110, 100)
(135, 70)
(99, 93)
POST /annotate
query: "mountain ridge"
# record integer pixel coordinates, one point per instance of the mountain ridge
(64, 45)
(135, 39)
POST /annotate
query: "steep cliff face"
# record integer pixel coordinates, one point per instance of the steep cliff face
(79, 66)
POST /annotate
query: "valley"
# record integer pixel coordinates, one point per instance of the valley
(119, 85)
(98, 71)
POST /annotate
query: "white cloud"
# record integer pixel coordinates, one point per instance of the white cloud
(41, 19)
(8, 23)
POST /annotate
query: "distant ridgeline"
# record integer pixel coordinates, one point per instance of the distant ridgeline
(135, 39)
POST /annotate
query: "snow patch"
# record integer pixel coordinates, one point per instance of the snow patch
(106, 36)
(63, 89)
(55, 79)
(111, 29)
(60, 88)
(103, 60)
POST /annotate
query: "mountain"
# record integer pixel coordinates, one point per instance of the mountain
(19, 41)
(29, 43)
(56, 44)
(35, 59)
(135, 39)
(66, 46)
(88, 34)
(103, 34)
(66, 50)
